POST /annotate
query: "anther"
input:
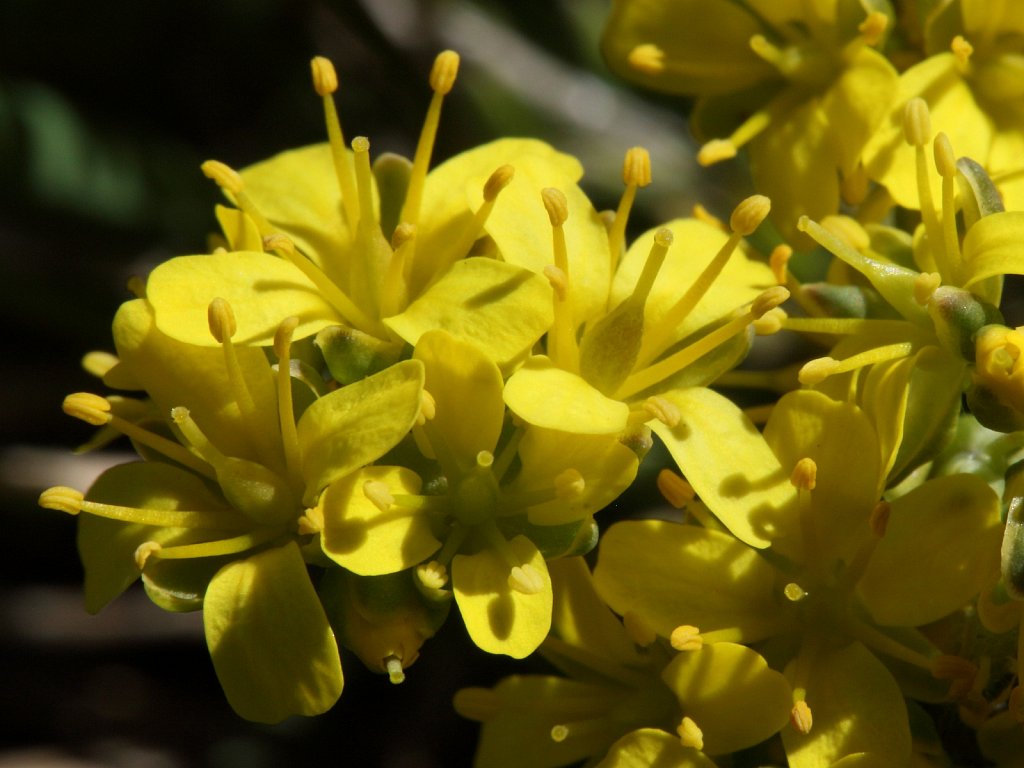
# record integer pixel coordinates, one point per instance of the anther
(444, 71)
(378, 493)
(98, 363)
(144, 551)
(638, 629)
(689, 734)
(90, 408)
(432, 575)
(403, 233)
(497, 181)
(393, 665)
(800, 717)
(945, 158)
(748, 215)
(816, 371)
(278, 242)
(962, 50)
(325, 79)
(675, 489)
(636, 167)
(879, 518)
(715, 151)
(779, 262)
(770, 322)
(768, 300)
(663, 410)
(62, 499)
(686, 638)
(556, 205)
(647, 58)
(283, 337)
(222, 320)
(805, 474)
(917, 124)
(428, 407)
(873, 27)
(526, 580)
(223, 176)
(794, 592)
(925, 284)
(559, 733)
(569, 484)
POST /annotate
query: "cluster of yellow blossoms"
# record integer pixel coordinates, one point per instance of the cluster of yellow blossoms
(391, 388)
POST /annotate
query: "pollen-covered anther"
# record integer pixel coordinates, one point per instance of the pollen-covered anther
(378, 493)
(144, 551)
(325, 78)
(770, 322)
(961, 49)
(794, 592)
(62, 499)
(917, 124)
(945, 157)
(636, 167)
(873, 27)
(479, 704)
(663, 410)
(638, 629)
(444, 72)
(647, 58)
(686, 638)
(800, 717)
(525, 580)
(690, 734)
(779, 262)
(925, 285)
(403, 233)
(768, 300)
(817, 370)
(569, 484)
(879, 518)
(748, 215)
(558, 279)
(559, 733)
(676, 490)
(715, 151)
(497, 181)
(278, 242)
(221, 318)
(805, 474)
(90, 408)
(556, 205)
(432, 575)
(224, 176)
(393, 666)
(428, 408)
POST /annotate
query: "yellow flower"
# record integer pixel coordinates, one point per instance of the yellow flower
(798, 83)
(717, 698)
(841, 581)
(215, 517)
(488, 501)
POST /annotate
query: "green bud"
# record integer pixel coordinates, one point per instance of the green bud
(958, 315)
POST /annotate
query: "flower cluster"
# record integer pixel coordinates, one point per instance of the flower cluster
(391, 390)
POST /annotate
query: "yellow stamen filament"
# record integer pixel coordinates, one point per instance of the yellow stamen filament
(393, 666)
(432, 575)
(285, 406)
(647, 58)
(231, 546)
(231, 182)
(659, 371)
(395, 293)
(325, 82)
(816, 371)
(717, 150)
(636, 173)
(873, 27)
(879, 518)
(526, 580)
(689, 734)
(945, 161)
(638, 629)
(686, 638)
(800, 717)
(442, 78)
(674, 488)
(562, 346)
(72, 502)
(917, 129)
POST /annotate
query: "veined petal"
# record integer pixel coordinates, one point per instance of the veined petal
(466, 387)
(360, 536)
(499, 618)
(857, 707)
(501, 308)
(729, 464)
(648, 747)
(732, 695)
(269, 638)
(674, 574)
(540, 393)
(940, 546)
(262, 290)
(358, 424)
(240, 231)
(992, 247)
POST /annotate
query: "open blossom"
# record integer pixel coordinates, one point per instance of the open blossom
(215, 517)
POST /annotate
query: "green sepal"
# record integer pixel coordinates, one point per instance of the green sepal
(958, 315)
(551, 540)
(990, 412)
(609, 349)
(352, 355)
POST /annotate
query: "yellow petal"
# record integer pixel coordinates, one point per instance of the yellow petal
(992, 247)
(546, 396)
(648, 747)
(501, 619)
(269, 638)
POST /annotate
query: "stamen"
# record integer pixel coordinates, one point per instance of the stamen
(395, 289)
(800, 717)
(559, 733)
(379, 494)
(689, 734)
(647, 58)
(686, 638)
(562, 346)
(98, 364)
(393, 665)
(816, 371)
(879, 518)
(569, 484)
(325, 82)
(770, 322)
(779, 263)
(925, 285)
(442, 78)
(675, 489)
(636, 172)
(748, 215)
(72, 502)
(805, 475)
(526, 580)
(432, 575)
(962, 50)
(917, 129)
(663, 240)
(366, 277)
(62, 499)
(428, 407)
(638, 629)
(232, 546)
(949, 248)
(661, 409)
(231, 182)
(285, 406)
(90, 408)
(715, 151)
